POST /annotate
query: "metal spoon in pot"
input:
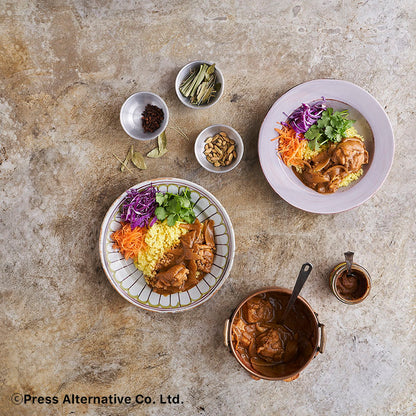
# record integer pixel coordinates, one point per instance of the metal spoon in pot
(303, 275)
(349, 255)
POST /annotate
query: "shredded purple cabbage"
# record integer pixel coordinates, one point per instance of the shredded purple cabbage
(306, 115)
(139, 207)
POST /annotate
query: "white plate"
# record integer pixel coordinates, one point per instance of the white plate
(371, 122)
(129, 281)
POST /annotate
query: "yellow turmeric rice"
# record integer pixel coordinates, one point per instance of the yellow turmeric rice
(159, 239)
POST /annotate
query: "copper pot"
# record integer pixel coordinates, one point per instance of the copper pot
(318, 338)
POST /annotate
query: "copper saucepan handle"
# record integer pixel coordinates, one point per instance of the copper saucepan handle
(226, 332)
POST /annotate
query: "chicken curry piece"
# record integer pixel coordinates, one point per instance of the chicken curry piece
(182, 267)
(325, 172)
(267, 345)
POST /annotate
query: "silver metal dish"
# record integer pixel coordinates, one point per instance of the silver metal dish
(210, 132)
(184, 73)
(131, 115)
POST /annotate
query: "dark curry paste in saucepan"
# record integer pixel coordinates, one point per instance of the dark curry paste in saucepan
(267, 345)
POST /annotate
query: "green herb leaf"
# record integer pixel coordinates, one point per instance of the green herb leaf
(122, 164)
(127, 159)
(175, 207)
(329, 131)
(161, 198)
(321, 123)
(185, 203)
(330, 127)
(153, 153)
(314, 145)
(162, 141)
(313, 133)
(138, 160)
(161, 149)
(189, 217)
(172, 218)
(211, 69)
(161, 213)
(200, 86)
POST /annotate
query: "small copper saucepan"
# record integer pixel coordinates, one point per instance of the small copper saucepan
(299, 334)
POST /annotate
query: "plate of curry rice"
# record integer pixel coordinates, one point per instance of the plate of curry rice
(183, 258)
(326, 173)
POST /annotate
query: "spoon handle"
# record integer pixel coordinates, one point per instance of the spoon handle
(304, 273)
(349, 258)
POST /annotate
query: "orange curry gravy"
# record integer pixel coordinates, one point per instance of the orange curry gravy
(325, 171)
(264, 343)
(182, 267)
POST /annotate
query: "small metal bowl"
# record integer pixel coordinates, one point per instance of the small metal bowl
(210, 132)
(131, 115)
(184, 73)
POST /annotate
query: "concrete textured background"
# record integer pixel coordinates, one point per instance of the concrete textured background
(65, 69)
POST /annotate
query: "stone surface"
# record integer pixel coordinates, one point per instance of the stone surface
(65, 69)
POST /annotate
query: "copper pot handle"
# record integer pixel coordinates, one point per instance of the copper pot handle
(226, 332)
(322, 342)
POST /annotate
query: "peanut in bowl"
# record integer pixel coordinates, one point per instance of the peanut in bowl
(219, 148)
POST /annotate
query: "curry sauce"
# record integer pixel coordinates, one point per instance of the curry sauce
(267, 345)
(325, 172)
(182, 267)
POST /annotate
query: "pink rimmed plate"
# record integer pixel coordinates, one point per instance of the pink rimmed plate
(129, 281)
(371, 122)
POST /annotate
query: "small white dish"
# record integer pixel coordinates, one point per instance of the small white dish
(372, 123)
(131, 115)
(184, 73)
(210, 132)
(129, 281)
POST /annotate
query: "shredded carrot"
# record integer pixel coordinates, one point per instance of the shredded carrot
(290, 146)
(129, 241)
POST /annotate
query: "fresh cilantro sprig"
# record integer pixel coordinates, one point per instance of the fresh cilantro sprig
(330, 127)
(174, 207)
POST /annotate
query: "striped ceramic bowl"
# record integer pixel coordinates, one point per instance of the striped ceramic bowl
(130, 282)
